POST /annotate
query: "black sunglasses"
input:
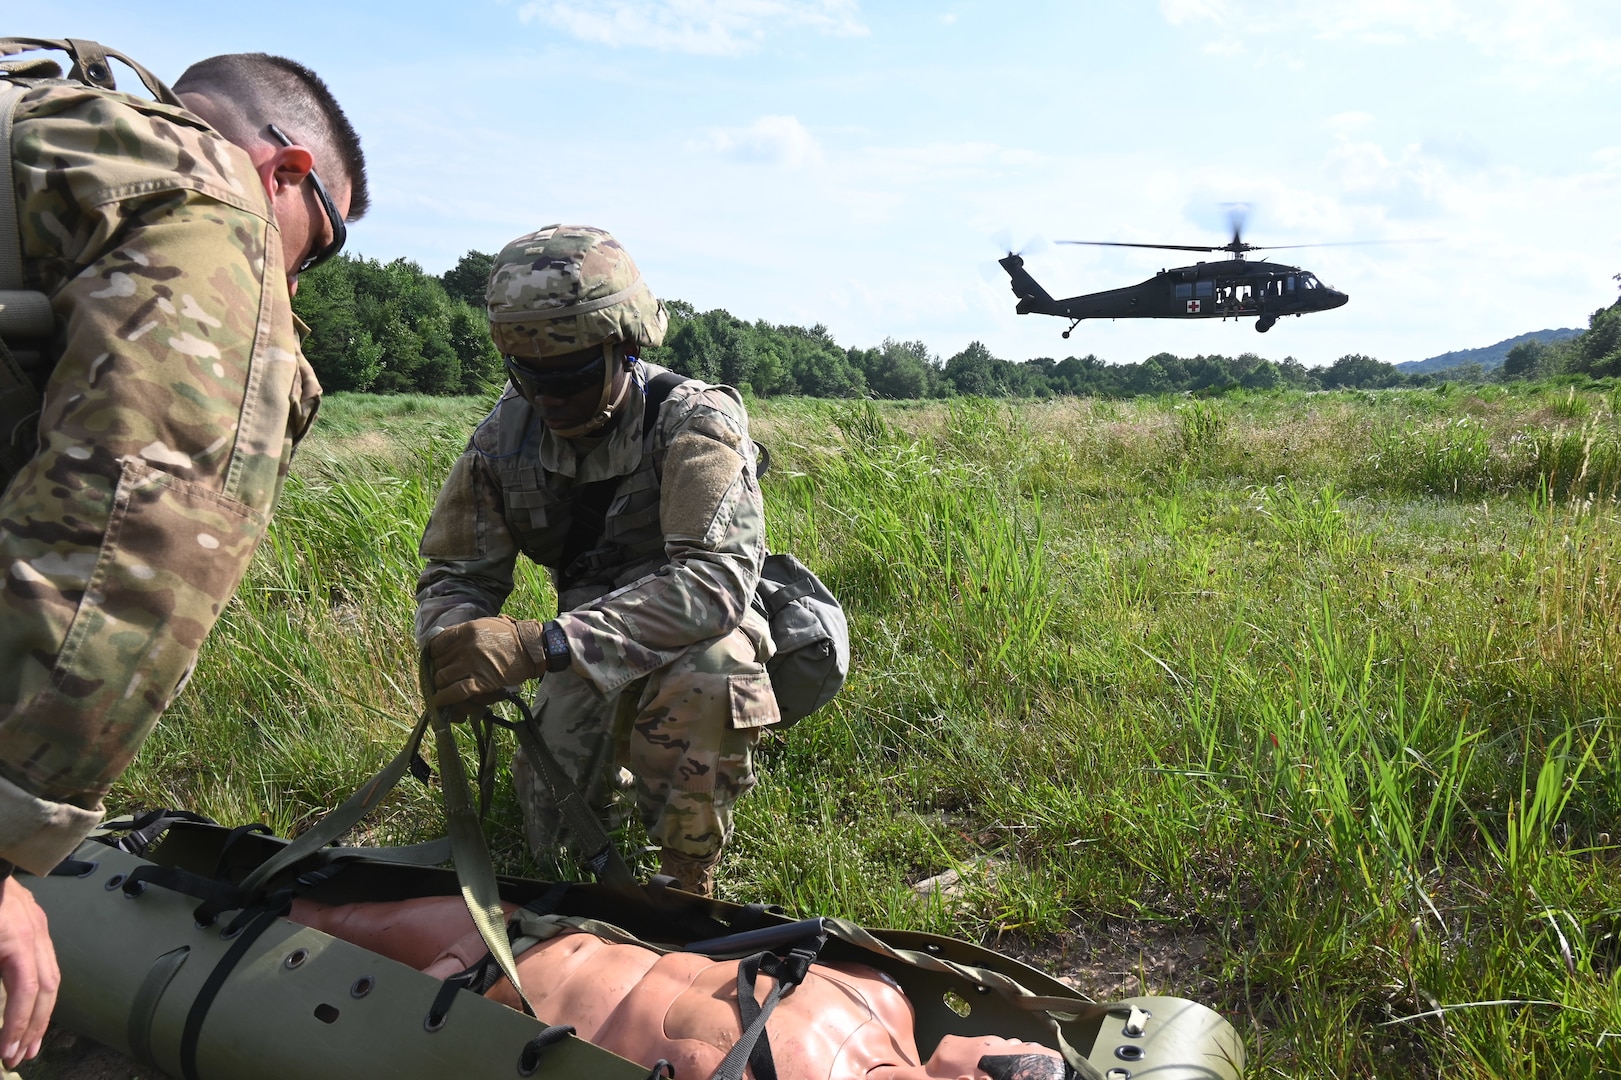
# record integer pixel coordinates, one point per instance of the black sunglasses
(340, 231)
(555, 382)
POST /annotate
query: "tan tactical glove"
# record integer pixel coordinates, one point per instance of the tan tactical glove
(474, 662)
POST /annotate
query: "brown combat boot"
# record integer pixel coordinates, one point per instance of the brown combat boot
(692, 874)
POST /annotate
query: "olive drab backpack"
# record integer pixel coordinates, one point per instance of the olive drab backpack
(27, 323)
(810, 632)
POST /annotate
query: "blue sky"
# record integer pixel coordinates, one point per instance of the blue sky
(862, 165)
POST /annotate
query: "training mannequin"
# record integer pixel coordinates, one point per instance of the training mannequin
(843, 1022)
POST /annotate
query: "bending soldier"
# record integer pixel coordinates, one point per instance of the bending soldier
(169, 236)
(651, 524)
(842, 1022)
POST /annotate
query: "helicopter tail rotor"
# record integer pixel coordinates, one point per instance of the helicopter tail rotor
(1003, 239)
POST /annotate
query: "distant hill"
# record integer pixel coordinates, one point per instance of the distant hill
(1488, 357)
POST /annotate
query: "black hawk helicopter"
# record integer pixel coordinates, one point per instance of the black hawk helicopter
(1234, 288)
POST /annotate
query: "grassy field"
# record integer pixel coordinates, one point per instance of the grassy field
(1301, 706)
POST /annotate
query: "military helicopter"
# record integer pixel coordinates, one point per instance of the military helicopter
(1233, 288)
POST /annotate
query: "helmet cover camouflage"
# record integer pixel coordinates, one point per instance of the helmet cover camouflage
(566, 288)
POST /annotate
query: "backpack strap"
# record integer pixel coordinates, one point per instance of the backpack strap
(90, 64)
(24, 314)
(27, 321)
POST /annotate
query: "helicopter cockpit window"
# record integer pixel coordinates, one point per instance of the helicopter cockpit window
(1309, 282)
(1184, 290)
(1289, 283)
(1204, 290)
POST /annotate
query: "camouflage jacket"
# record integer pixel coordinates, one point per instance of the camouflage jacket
(177, 393)
(680, 551)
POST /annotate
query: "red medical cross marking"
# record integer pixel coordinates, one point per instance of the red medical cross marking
(1193, 307)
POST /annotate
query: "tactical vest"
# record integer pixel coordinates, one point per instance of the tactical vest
(543, 510)
(28, 349)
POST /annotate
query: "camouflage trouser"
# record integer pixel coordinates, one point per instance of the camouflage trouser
(678, 734)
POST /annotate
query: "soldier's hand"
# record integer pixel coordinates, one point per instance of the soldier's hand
(474, 662)
(27, 970)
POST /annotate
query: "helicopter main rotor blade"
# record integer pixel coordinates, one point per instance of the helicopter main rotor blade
(1160, 247)
(1343, 243)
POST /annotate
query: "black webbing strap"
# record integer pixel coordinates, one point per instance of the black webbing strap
(529, 1059)
(136, 835)
(193, 1030)
(478, 978)
(217, 896)
(658, 390)
(786, 595)
(231, 838)
(753, 1046)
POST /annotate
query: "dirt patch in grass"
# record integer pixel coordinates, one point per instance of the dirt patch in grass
(1116, 959)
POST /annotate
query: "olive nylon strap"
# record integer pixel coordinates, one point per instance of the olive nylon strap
(341, 820)
(470, 854)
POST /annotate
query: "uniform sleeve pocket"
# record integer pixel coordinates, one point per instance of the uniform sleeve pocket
(456, 529)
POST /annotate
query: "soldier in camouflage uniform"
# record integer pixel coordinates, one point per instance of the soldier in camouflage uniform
(169, 240)
(654, 669)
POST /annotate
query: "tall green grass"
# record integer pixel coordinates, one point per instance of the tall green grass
(1301, 705)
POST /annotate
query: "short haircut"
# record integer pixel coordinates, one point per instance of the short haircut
(261, 89)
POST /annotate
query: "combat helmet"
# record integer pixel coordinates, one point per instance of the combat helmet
(561, 291)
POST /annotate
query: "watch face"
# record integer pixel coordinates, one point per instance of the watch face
(556, 643)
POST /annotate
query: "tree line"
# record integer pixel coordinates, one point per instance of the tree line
(393, 328)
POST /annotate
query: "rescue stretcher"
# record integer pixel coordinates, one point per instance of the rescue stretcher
(170, 963)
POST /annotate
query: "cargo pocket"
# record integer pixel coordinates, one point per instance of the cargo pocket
(753, 703)
(172, 554)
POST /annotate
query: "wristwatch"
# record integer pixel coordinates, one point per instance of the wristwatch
(555, 642)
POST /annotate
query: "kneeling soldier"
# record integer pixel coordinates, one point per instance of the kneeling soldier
(648, 517)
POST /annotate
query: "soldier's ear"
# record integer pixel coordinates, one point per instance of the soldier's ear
(286, 167)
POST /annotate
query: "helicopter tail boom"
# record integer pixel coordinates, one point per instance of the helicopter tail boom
(1032, 297)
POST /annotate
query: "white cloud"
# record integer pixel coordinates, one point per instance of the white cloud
(1536, 39)
(770, 140)
(1343, 124)
(1177, 12)
(700, 27)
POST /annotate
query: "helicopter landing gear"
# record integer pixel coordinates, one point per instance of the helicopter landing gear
(1264, 323)
(1072, 325)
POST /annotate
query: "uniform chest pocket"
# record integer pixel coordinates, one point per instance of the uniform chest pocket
(534, 510)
